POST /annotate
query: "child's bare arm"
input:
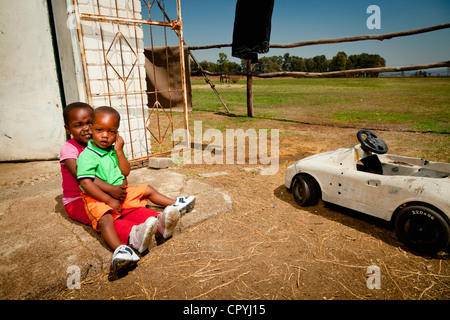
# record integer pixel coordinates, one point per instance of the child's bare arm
(124, 165)
(94, 191)
(71, 165)
(117, 192)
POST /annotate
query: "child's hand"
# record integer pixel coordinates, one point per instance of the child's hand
(117, 192)
(124, 165)
(118, 146)
(115, 204)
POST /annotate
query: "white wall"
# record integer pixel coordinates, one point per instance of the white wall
(31, 124)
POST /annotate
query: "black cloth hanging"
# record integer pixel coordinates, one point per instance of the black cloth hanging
(252, 24)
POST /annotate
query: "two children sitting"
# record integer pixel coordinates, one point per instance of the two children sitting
(94, 161)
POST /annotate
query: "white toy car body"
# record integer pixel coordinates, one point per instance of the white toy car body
(411, 192)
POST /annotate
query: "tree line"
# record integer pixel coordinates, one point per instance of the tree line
(287, 62)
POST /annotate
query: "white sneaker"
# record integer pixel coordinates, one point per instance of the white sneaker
(141, 235)
(122, 257)
(168, 221)
(184, 204)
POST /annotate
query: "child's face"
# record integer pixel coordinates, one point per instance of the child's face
(79, 125)
(104, 130)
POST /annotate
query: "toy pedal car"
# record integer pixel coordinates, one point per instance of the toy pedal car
(412, 193)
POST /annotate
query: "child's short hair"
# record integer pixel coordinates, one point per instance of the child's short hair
(72, 106)
(106, 110)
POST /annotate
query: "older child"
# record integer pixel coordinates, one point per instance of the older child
(77, 121)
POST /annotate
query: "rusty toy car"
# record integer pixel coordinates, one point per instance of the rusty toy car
(412, 193)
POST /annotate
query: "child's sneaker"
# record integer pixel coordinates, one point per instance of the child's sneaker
(141, 235)
(168, 221)
(122, 257)
(184, 204)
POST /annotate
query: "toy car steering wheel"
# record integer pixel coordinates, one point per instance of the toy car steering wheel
(372, 142)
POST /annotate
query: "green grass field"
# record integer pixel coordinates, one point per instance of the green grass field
(413, 113)
(416, 104)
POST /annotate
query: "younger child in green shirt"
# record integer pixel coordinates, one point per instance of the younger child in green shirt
(104, 158)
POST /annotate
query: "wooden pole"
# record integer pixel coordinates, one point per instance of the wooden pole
(208, 81)
(183, 75)
(249, 89)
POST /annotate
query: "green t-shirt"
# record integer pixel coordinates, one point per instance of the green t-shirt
(95, 162)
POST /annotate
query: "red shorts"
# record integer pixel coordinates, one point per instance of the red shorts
(129, 218)
(96, 209)
(123, 225)
(77, 212)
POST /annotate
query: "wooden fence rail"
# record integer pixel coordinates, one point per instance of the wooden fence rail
(379, 37)
(329, 74)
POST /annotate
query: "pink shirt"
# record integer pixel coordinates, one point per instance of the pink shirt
(71, 190)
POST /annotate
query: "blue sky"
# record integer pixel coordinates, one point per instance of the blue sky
(208, 22)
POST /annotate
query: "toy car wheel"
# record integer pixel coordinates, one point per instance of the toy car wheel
(422, 229)
(305, 191)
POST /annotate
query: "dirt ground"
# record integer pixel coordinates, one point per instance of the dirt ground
(268, 247)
